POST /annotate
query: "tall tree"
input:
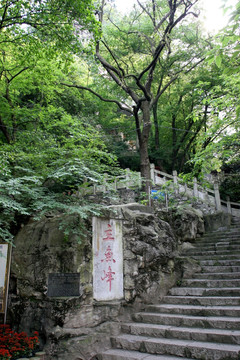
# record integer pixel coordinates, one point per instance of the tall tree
(132, 56)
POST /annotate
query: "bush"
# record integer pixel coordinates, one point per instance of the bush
(14, 345)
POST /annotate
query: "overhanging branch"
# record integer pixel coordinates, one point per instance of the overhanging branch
(122, 107)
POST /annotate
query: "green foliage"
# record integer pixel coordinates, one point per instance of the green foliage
(226, 51)
(49, 148)
(22, 196)
(60, 22)
(230, 185)
(56, 141)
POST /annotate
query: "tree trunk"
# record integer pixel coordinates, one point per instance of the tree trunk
(5, 131)
(143, 136)
(174, 142)
(157, 144)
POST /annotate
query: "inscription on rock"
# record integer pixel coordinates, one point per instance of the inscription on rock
(63, 284)
(107, 259)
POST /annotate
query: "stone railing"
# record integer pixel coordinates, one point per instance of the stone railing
(133, 180)
(129, 180)
(211, 196)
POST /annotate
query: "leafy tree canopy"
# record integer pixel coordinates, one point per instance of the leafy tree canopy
(50, 147)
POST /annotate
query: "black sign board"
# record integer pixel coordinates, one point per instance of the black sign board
(63, 284)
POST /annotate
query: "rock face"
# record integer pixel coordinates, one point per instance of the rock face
(150, 248)
(79, 327)
(187, 222)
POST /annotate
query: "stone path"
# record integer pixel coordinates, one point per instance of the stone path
(198, 320)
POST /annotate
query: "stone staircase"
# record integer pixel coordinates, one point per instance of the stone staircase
(198, 320)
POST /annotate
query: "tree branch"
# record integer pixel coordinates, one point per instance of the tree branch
(114, 58)
(159, 93)
(100, 97)
(147, 96)
(116, 76)
(146, 11)
(4, 15)
(14, 76)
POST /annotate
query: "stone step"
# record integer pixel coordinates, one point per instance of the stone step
(220, 247)
(183, 348)
(227, 232)
(208, 243)
(188, 291)
(203, 300)
(184, 333)
(120, 354)
(234, 238)
(217, 322)
(211, 283)
(199, 319)
(226, 245)
(222, 268)
(217, 276)
(195, 310)
(219, 239)
(220, 236)
(217, 251)
(226, 257)
(232, 262)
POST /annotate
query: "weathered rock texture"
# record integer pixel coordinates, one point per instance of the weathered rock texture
(150, 248)
(186, 222)
(77, 327)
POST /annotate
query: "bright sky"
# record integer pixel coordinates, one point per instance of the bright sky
(212, 17)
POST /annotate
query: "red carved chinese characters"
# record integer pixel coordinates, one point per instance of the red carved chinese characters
(109, 277)
(109, 234)
(108, 255)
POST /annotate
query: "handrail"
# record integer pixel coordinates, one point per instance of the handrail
(196, 190)
(132, 180)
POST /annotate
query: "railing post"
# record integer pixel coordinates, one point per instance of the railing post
(115, 184)
(195, 188)
(229, 209)
(152, 172)
(175, 181)
(128, 178)
(166, 199)
(217, 196)
(139, 180)
(149, 196)
(206, 195)
(104, 183)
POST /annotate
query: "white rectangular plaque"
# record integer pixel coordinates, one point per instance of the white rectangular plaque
(107, 259)
(3, 275)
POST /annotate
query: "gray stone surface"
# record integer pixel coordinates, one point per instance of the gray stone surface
(118, 354)
(195, 349)
(217, 221)
(79, 327)
(187, 222)
(186, 333)
(199, 319)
